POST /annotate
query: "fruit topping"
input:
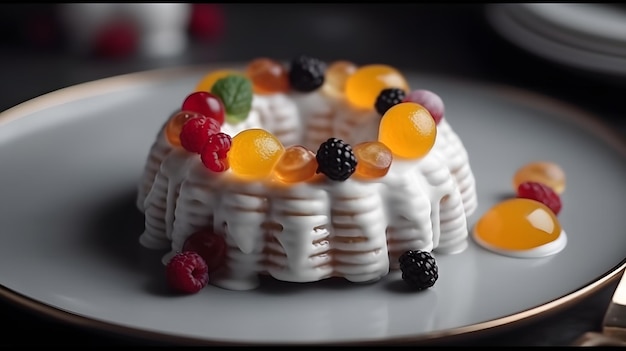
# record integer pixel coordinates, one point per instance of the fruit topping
(196, 131)
(335, 159)
(388, 97)
(408, 130)
(431, 101)
(187, 272)
(175, 124)
(545, 172)
(517, 224)
(207, 82)
(373, 159)
(337, 74)
(306, 73)
(235, 91)
(206, 104)
(296, 164)
(542, 193)
(268, 76)
(214, 154)
(419, 269)
(364, 85)
(209, 245)
(254, 153)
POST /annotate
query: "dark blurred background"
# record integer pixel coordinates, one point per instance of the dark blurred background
(44, 47)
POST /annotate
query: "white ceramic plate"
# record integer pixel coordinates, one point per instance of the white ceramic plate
(70, 165)
(585, 36)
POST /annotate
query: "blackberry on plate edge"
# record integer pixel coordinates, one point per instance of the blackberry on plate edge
(419, 269)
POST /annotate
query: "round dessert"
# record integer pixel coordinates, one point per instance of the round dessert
(305, 171)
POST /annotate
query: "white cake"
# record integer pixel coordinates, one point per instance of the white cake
(311, 230)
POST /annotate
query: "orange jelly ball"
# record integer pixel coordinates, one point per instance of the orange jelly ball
(206, 83)
(254, 153)
(374, 159)
(337, 75)
(545, 172)
(175, 124)
(518, 224)
(408, 130)
(364, 85)
(268, 76)
(296, 164)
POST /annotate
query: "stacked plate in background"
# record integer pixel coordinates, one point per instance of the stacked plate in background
(582, 35)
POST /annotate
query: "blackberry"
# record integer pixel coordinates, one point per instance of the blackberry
(387, 98)
(306, 73)
(336, 159)
(419, 269)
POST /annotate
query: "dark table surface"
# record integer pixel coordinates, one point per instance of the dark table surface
(449, 40)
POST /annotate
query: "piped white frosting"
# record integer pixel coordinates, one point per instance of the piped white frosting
(312, 230)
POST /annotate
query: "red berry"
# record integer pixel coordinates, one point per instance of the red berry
(207, 104)
(209, 245)
(187, 272)
(196, 131)
(220, 143)
(212, 161)
(542, 193)
(214, 152)
(431, 101)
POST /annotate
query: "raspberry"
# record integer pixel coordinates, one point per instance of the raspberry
(196, 131)
(336, 159)
(542, 193)
(387, 98)
(419, 269)
(214, 152)
(306, 73)
(187, 272)
(209, 245)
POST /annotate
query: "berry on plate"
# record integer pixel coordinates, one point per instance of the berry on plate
(542, 193)
(187, 272)
(209, 245)
(419, 269)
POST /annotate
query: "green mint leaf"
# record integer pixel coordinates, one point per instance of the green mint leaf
(236, 94)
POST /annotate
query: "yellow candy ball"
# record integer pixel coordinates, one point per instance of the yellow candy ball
(363, 86)
(254, 153)
(408, 130)
(206, 83)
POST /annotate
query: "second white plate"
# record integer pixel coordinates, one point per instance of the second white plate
(586, 36)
